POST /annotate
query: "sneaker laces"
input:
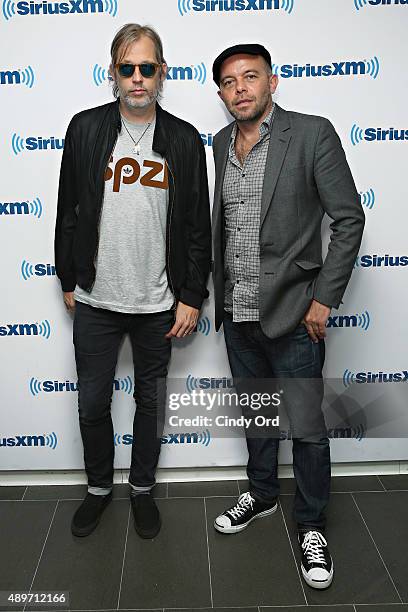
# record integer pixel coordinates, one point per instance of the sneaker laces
(313, 547)
(244, 502)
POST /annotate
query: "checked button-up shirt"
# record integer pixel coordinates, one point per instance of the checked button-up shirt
(241, 195)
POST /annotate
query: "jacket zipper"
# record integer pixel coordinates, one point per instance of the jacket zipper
(100, 212)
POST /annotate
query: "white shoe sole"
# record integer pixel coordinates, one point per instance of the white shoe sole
(321, 584)
(239, 528)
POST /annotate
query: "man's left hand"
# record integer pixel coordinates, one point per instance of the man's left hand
(186, 320)
(315, 320)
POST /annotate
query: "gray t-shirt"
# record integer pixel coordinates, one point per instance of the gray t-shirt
(131, 261)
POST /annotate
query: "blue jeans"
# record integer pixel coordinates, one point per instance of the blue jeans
(252, 354)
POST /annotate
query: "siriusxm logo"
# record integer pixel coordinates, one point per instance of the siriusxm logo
(42, 329)
(187, 73)
(22, 76)
(334, 433)
(49, 440)
(360, 3)
(55, 386)
(28, 270)
(33, 208)
(78, 7)
(347, 68)
(207, 139)
(174, 73)
(194, 437)
(208, 383)
(359, 320)
(359, 378)
(35, 143)
(381, 261)
(367, 198)
(204, 326)
(211, 6)
(371, 134)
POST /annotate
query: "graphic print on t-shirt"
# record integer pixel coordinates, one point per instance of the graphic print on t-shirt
(127, 170)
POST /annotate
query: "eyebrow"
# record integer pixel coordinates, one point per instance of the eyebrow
(246, 72)
(127, 61)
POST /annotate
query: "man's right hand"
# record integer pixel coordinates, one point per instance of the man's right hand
(69, 301)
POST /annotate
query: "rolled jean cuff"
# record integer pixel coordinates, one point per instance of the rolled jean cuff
(136, 489)
(99, 490)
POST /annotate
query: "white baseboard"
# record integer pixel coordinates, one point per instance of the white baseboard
(12, 478)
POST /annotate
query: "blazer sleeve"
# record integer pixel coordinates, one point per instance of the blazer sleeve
(194, 290)
(66, 217)
(340, 200)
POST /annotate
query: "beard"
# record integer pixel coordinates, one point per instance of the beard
(148, 98)
(252, 114)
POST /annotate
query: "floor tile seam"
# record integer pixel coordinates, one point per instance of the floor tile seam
(42, 551)
(377, 549)
(345, 492)
(124, 557)
(381, 482)
(208, 553)
(293, 555)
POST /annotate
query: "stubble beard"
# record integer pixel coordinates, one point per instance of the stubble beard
(149, 98)
(256, 113)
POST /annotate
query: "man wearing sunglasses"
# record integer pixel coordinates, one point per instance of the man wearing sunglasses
(132, 251)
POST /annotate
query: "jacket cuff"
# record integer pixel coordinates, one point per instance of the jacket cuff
(68, 284)
(191, 298)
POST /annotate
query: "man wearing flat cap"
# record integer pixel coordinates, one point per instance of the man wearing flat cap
(277, 173)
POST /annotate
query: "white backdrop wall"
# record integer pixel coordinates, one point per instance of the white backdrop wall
(54, 59)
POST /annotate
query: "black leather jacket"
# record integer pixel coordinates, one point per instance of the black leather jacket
(89, 142)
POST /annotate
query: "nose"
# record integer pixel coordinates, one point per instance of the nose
(240, 86)
(137, 77)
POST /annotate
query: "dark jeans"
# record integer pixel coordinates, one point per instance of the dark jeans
(253, 355)
(97, 337)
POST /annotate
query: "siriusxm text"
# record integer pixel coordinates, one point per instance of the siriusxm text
(23, 441)
(60, 8)
(235, 5)
(310, 70)
(381, 377)
(19, 329)
(382, 261)
(14, 208)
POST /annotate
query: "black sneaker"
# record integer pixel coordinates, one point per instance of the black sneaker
(244, 512)
(89, 513)
(317, 564)
(146, 515)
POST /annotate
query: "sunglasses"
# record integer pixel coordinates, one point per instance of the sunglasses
(147, 70)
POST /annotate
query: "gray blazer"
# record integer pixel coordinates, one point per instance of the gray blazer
(306, 175)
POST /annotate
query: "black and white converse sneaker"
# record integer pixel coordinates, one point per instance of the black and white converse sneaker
(244, 512)
(317, 564)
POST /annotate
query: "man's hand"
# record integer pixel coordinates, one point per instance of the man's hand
(315, 320)
(69, 301)
(186, 320)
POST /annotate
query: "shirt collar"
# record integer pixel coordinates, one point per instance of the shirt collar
(264, 128)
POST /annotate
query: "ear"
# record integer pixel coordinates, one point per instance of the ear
(111, 73)
(273, 82)
(164, 69)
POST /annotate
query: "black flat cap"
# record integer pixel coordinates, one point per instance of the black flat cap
(250, 49)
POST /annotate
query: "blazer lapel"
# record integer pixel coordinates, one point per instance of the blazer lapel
(220, 157)
(278, 145)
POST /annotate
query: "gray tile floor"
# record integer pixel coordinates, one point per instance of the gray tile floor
(190, 566)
